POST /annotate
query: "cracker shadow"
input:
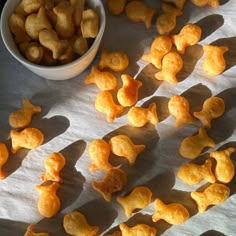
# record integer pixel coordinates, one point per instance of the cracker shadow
(14, 160)
(190, 58)
(230, 55)
(73, 180)
(215, 21)
(222, 2)
(51, 127)
(94, 209)
(223, 127)
(192, 95)
(150, 83)
(212, 233)
(53, 226)
(12, 228)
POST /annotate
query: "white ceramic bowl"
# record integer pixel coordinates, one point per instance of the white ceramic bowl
(61, 72)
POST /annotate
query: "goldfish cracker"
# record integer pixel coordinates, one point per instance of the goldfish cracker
(48, 58)
(177, 3)
(172, 64)
(53, 165)
(214, 62)
(173, 213)
(23, 47)
(215, 194)
(122, 145)
(49, 39)
(30, 232)
(64, 26)
(23, 116)
(80, 45)
(29, 138)
(139, 116)
(105, 104)
(75, 223)
(49, 4)
(4, 154)
(52, 17)
(114, 60)
(139, 198)
(36, 22)
(78, 6)
(212, 108)
(166, 21)
(161, 45)
(224, 170)
(116, 7)
(34, 53)
(137, 11)
(103, 80)
(179, 108)
(114, 181)
(49, 203)
(192, 146)
(202, 3)
(189, 35)
(29, 6)
(191, 173)
(17, 27)
(99, 152)
(138, 229)
(89, 23)
(128, 94)
(67, 56)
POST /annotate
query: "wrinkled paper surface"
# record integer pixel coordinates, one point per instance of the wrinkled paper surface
(70, 122)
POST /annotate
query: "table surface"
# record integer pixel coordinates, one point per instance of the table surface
(70, 122)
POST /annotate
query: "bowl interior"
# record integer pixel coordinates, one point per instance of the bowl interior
(12, 47)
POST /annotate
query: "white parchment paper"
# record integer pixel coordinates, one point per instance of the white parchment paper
(70, 122)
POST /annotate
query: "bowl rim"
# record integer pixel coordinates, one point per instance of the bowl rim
(23, 60)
